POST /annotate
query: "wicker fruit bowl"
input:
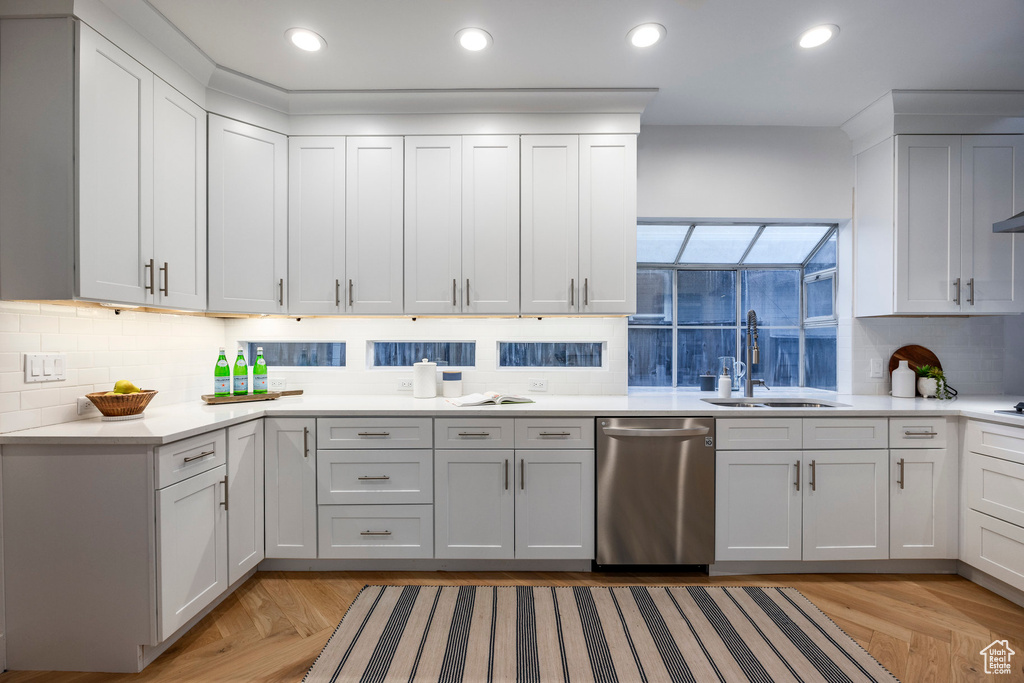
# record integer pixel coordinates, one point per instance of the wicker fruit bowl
(119, 405)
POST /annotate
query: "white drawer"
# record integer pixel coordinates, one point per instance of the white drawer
(758, 434)
(996, 487)
(919, 432)
(995, 547)
(555, 432)
(999, 441)
(374, 477)
(180, 460)
(376, 531)
(474, 433)
(846, 433)
(374, 432)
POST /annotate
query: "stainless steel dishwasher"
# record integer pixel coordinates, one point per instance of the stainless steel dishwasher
(655, 491)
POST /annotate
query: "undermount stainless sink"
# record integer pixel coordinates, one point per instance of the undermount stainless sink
(773, 403)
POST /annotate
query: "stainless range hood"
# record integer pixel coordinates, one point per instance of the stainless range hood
(1014, 224)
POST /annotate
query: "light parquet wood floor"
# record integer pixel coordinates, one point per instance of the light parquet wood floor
(924, 629)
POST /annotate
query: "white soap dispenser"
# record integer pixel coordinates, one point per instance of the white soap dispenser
(724, 384)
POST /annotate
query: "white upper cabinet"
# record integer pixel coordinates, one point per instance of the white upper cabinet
(373, 224)
(549, 198)
(248, 199)
(608, 223)
(179, 200)
(433, 224)
(316, 226)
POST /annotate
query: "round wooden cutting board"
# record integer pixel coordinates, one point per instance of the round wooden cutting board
(915, 355)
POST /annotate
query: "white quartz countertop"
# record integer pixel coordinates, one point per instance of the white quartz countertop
(163, 424)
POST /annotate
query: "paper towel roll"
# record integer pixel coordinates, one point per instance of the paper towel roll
(424, 379)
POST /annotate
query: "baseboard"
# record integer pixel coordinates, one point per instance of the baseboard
(834, 567)
(423, 565)
(997, 586)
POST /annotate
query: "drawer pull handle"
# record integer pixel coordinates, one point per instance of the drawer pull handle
(380, 478)
(474, 433)
(903, 474)
(196, 457)
(814, 477)
(927, 435)
(374, 434)
(797, 466)
(375, 533)
(554, 434)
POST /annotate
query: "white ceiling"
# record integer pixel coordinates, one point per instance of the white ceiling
(723, 61)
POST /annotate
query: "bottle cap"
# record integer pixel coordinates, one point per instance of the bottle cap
(222, 349)
(259, 349)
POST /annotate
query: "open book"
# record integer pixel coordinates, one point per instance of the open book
(486, 398)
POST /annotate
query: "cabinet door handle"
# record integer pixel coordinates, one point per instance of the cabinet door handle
(926, 435)
(196, 457)
(506, 474)
(305, 442)
(814, 477)
(572, 291)
(522, 474)
(455, 301)
(225, 503)
(166, 270)
(375, 533)
(474, 433)
(383, 477)
(586, 291)
(903, 473)
(350, 294)
(150, 287)
(956, 296)
(280, 292)
(373, 434)
(797, 466)
(467, 291)
(970, 286)
(337, 293)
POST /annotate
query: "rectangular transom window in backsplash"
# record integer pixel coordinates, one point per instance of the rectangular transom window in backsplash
(296, 354)
(398, 354)
(550, 354)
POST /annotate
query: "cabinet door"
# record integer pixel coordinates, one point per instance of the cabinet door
(115, 172)
(923, 504)
(473, 504)
(846, 505)
(608, 223)
(433, 224)
(554, 492)
(192, 564)
(550, 224)
(245, 497)
(758, 505)
(373, 224)
(992, 191)
(490, 224)
(290, 487)
(248, 200)
(179, 199)
(928, 224)
(316, 225)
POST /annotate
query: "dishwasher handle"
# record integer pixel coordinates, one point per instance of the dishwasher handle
(654, 431)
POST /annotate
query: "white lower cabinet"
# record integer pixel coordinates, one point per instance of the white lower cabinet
(245, 498)
(759, 506)
(474, 504)
(290, 513)
(192, 555)
(376, 531)
(846, 505)
(554, 505)
(923, 504)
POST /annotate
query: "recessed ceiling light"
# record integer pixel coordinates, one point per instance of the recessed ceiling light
(304, 39)
(819, 35)
(646, 35)
(474, 39)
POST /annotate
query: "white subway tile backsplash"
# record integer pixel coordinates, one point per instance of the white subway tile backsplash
(39, 398)
(21, 419)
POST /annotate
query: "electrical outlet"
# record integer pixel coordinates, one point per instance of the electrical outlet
(85, 406)
(405, 384)
(538, 385)
(876, 367)
(278, 384)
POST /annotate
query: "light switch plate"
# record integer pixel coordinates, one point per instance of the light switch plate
(876, 367)
(45, 367)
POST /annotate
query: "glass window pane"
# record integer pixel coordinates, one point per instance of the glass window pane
(653, 297)
(773, 294)
(549, 354)
(824, 258)
(698, 353)
(405, 353)
(819, 298)
(650, 358)
(659, 243)
(820, 357)
(780, 356)
(718, 243)
(298, 354)
(786, 243)
(707, 297)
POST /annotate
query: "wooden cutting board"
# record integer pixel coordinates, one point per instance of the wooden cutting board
(916, 356)
(269, 396)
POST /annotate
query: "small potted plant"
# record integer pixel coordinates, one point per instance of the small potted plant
(931, 381)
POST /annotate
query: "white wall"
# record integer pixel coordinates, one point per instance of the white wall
(744, 173)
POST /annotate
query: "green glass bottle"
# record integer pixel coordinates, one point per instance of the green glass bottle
(259, 373)
(221, 376)
(241, 375)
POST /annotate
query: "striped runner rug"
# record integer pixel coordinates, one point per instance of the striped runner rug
(537, 634)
